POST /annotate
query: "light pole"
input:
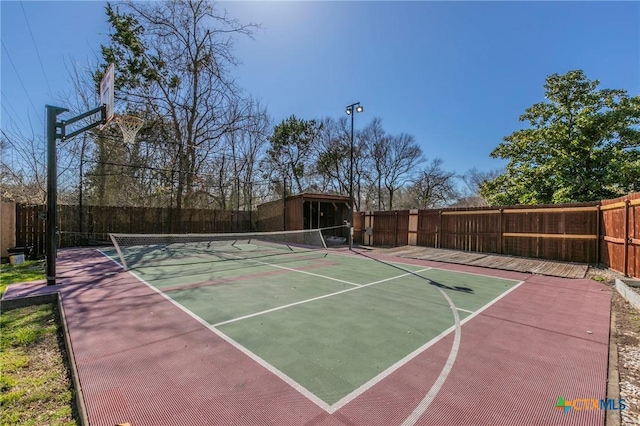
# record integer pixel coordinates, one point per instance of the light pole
(350, 111)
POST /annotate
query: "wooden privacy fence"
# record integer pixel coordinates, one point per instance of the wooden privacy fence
(91, 224)
(606, 232)
(31, 227)
(620, 234)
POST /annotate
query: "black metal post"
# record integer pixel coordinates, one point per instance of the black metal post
(52, 189)
(80, 186)
(351, 110)
(351, 186)
(52, 174)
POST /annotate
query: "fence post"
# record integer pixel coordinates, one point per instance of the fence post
(370, 237)
(19, 221)
(412, 234)
(500, 231)
(395, 229)
(439, 230)
(284, 211)
(597, 262)
(626, 238)
(563, 222)
(9, 226)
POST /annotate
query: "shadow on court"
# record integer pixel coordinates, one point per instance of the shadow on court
(143, 360)
(415, 274)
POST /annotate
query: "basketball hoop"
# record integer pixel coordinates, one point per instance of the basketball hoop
(129, 125)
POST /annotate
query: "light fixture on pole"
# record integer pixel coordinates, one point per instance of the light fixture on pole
(350, 111)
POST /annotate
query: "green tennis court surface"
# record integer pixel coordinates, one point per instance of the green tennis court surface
(328, 322)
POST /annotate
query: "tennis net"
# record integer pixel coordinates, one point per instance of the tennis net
(136, 250)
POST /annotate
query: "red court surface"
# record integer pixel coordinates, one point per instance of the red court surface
(141, 359)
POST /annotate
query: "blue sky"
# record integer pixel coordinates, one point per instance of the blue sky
(456, 75)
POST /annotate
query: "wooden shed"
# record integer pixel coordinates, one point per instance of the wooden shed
(303, 211)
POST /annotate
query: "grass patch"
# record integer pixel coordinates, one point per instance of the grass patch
(30, 270)
(34, 382)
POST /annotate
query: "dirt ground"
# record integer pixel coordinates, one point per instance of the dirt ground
(627, 339)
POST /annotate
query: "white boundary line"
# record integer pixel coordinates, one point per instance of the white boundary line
(429, 397)
(442, 377)
(297, 386)
(313, 299)
(294, 270)
(351, 396)
(383, 375)
(476, 273)
(444, 373)
(111, 259)
(310, 396)
(435, 268)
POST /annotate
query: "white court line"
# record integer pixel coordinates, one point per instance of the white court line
(295, 270)
(357, 392)
(442, 377)
(429, 397)
(110, 258)
(464, 310)
(301, 389)
(435, 268)
(310, 396)
(313, 299)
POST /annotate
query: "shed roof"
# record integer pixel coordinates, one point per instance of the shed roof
(319, 197)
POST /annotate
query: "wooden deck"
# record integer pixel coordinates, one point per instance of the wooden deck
(495, 261)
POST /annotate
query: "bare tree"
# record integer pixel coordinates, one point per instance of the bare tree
(402, 156)
(333, 157)
(23, 177)
(434, 187)
(378, 148)
(253, 138)
(473, 180)
(173, 60)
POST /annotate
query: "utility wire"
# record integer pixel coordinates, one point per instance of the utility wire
(21, 82)
(6, 102)
(36, 47)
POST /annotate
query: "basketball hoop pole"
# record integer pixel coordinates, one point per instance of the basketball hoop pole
(52, 174)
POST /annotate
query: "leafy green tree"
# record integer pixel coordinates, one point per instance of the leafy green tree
(582, 144)
(290, 152)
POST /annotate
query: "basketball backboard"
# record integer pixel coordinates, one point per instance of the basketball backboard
(129, 124)
(107, 91)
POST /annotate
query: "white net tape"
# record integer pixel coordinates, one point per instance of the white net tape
(162, 249)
